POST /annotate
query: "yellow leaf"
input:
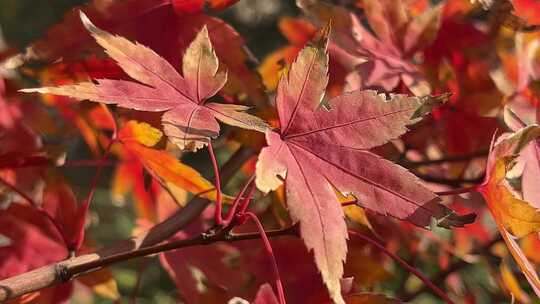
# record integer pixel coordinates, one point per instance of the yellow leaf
(169, 170)
(358, 215)
(354, 212)
(519, 256)
(146, 134)
(140, 132)
(516, 215)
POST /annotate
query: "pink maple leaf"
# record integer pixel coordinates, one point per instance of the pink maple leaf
(324, 146)
(188, 120)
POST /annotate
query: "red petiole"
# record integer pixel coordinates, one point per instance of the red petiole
(270, 252)
(219, 204)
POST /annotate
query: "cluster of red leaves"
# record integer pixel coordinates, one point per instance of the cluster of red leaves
(345, 96)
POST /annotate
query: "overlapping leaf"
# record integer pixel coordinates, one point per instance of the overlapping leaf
(162, 165)
(530, 156)
(188, 121)
(387, 56)
(515, 218)
(322, 147)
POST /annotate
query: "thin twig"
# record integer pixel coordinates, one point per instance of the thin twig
(201, 240)
(404, 264)
(142, 267)
(449, 159)
(440, 277)
(449, 181)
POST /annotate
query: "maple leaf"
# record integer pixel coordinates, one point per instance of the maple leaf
(320, 148)
(298, 31)
(515, 218)
(141, 19)
(512, 284)
(188, 121)
(400, 37)
(386, 57)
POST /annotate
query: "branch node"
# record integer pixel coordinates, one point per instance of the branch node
(228, 236)
(207, 237)
(62, 273)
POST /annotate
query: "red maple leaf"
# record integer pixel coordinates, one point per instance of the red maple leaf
(322, 147)
(188, 121)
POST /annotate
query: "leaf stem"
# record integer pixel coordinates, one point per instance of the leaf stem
(219, 205)
(270, 253)
(436, 290)
(230, 214)
(245, 203)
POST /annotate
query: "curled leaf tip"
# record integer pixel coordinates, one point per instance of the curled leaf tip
(90, 27)
(321, 37)
(455, 220)
(86, 21)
